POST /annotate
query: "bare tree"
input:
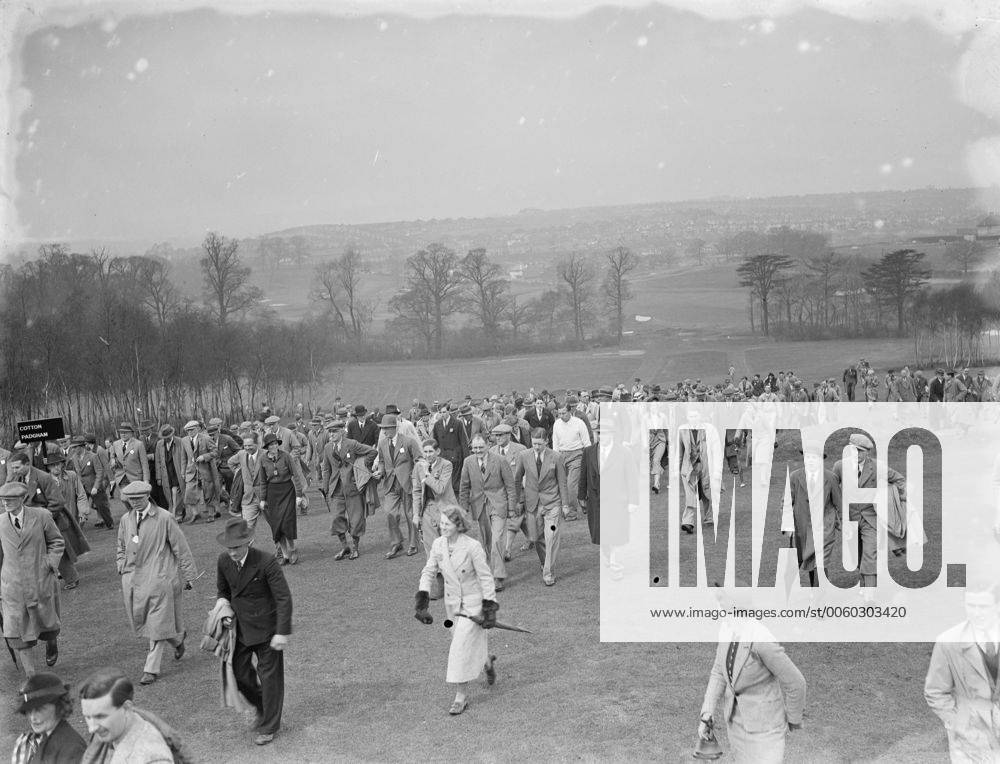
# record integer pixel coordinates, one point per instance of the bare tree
(518, 315)
(828, 268)
(485, 292)
(359, 310)
(327, 289)
(432, 275)
(965, 253)
(414, 317)
(616, 288)
(578, 276)
(227, 281)
(695, 249)
(761, 273)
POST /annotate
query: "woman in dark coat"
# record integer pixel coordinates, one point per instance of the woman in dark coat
(283, 487)
(46, 701)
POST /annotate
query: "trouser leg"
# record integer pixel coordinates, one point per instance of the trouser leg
(27, 657)
(552, 519)
(573, 461)
(428, 533)
(67, 569)
(271, 674)
(497, 564)
(155, 656)
(251, 513)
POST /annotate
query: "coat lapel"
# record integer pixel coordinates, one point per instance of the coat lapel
(244, 576)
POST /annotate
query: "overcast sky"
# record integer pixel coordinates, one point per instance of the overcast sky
(166, 126)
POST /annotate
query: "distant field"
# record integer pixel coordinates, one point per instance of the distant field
(660, 358)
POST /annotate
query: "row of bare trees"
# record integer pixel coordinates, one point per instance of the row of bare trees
(441, 285)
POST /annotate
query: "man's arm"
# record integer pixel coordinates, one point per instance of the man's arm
(222, 587)
(939, 686)
(143, 459)
(182, 551)
(282, 597)
(507, 478)
(465, 486)
(793, 684)
(54, 542)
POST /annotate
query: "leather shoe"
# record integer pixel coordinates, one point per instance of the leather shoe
(71, 586)
(411, 551)
(506, 556)
(147, 678)
(51, 653)
(457, 708)
(549, 580)
(687, 528)
(499, 585)
(394, 552)
(293, 558)
(353, 555)
(179, 650)
(342, 553)
(263, 738)
(491, 672)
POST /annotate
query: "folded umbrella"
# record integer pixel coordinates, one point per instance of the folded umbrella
(497, 625)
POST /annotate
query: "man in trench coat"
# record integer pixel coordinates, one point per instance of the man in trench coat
(153, 553)
(30, 549)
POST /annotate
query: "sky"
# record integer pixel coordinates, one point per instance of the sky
(158, 126)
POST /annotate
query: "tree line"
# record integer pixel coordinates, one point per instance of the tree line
(96, 339)
(800, 288)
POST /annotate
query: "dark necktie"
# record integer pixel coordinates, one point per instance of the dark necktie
(538, 463)
(731, 657)
(392, 451)
(139, 517)
(482, 467)
(695, 447)
(17, 523)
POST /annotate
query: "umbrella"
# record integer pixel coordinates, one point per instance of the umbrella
(497, 625)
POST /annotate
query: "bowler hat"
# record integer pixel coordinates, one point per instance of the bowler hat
(236, 533)
(137, 488)
(40, 689)
(860, 441)
(360, 410)
(13, 490)
(271, 438)
(389, 420)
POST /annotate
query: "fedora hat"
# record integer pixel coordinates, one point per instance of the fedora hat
(392, 408)
(466, 410)
(126, 427)
(39, 689)
(55, 458)
(78, 440)
(166, 431)
(236, 533)
(389, 420)
(271, 438)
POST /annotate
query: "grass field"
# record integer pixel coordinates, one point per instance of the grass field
(365, 681)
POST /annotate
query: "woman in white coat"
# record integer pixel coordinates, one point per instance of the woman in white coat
(469, 602)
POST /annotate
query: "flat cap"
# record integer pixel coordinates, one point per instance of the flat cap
(13, 490)
(192, 424)
(272, 419)
(861, 441)
(335, 424)
(137, 488)
(502, 429)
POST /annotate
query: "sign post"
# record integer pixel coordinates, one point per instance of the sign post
(41, 429)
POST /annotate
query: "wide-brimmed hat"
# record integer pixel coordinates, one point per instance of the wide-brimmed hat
(389, 420)
(236, 533)
(39, 689)
(271, 438)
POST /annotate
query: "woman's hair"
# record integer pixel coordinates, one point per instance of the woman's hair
(455, 514)
(430, 442)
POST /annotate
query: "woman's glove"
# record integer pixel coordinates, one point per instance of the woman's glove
(489, 614)
(423, 601)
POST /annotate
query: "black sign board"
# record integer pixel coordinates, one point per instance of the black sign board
(41, 429)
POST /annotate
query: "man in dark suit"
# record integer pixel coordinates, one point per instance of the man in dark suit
(251, 581)
(538, 415)
(90, 467)
(453, 440)
(814, 487)
(363, 428)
